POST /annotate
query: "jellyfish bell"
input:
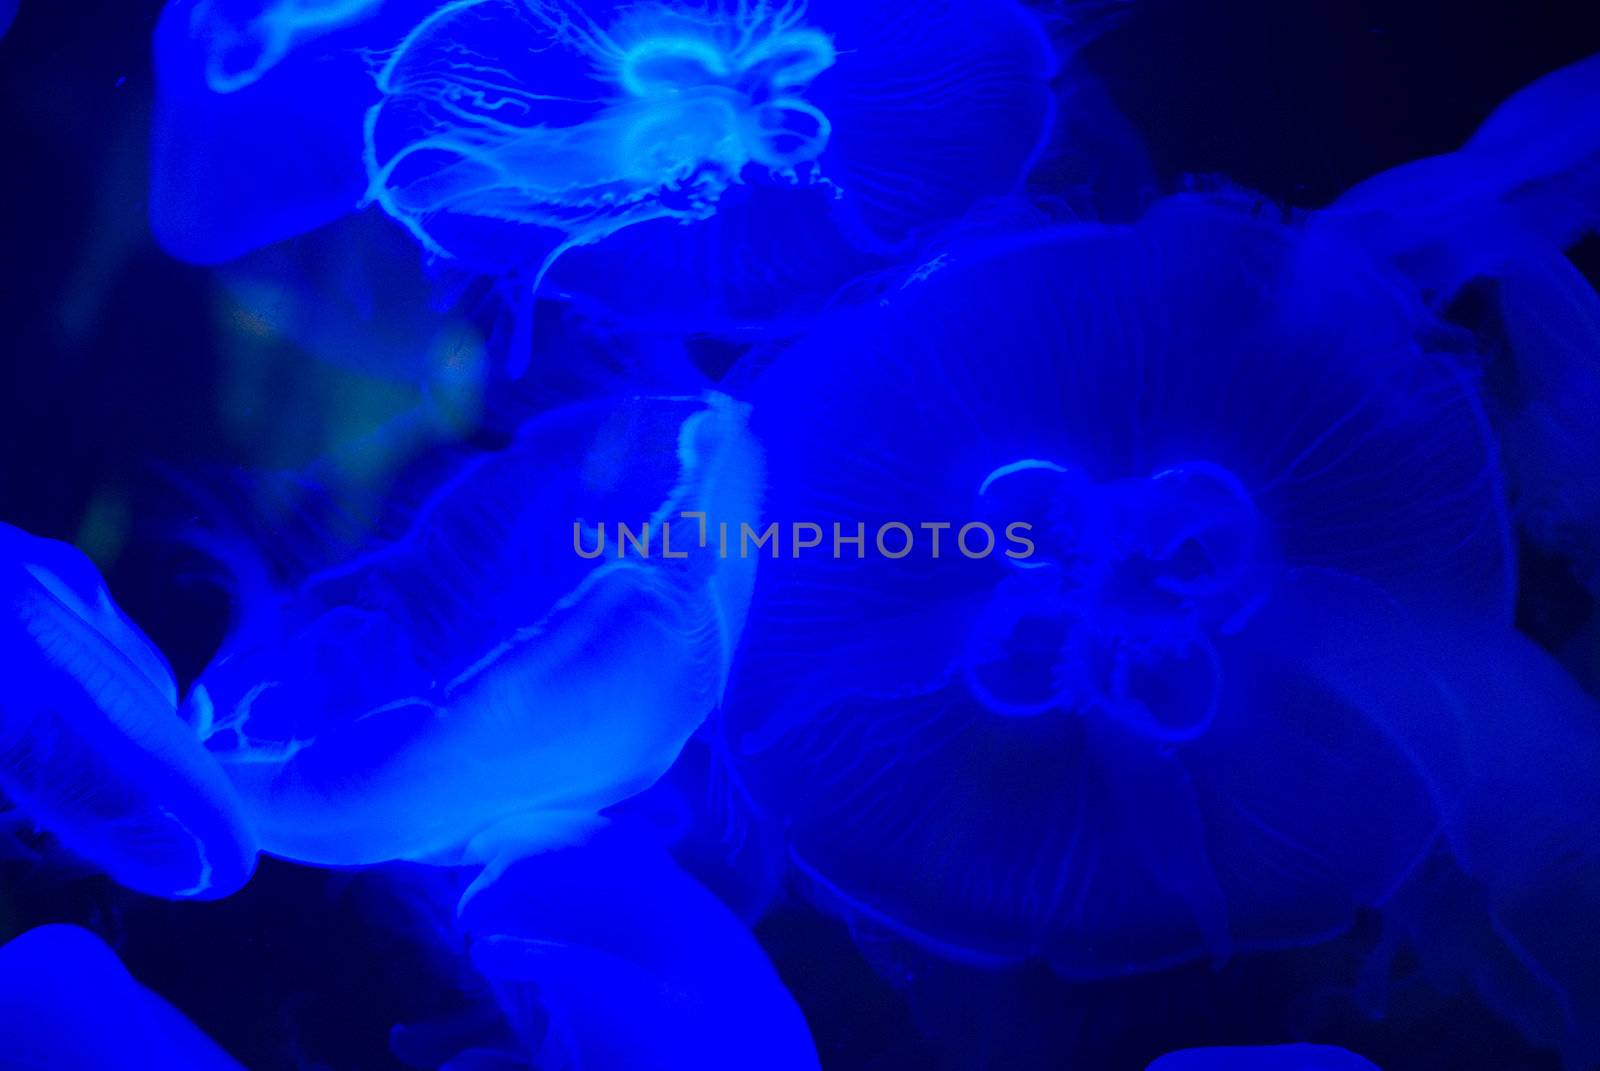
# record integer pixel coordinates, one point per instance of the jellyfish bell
(1101, 751)
(1264, 1058)
(634, 964)
(91, 747)
(71, 1005)
(509, 663)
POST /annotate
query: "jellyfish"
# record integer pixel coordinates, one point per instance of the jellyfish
(743, 147)
(1502, 212)
(1526, 183)
(634, 965)
(71, 1005)
(91, 746)
(8, 14)
(535, 643)
(1049, 683)
(1266, 1058)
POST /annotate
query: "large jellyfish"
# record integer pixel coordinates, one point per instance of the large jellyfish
(748, 149)
(1033, 670)
(91, 746)
(1504, 210)
(1269, 1058)
(634, 965)
(71, 1006)
(511, 662)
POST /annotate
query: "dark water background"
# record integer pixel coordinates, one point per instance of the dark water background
(109, 359)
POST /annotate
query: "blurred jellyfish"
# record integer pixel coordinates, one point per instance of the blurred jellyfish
(1269, 1058)
(509, 663)
(746, 148)
(71, 1006)
(1040, 689)
(91, 746)
(634, 966)
(1504, 209)
(1527, 183)
(8, 14)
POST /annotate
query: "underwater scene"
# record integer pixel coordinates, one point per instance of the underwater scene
(800, 535)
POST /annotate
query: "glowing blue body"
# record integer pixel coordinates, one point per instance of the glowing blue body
(1126, 749)
(1273, 1058)
(637, 967)
(71, 1006)
(475, 680)
(91, 745)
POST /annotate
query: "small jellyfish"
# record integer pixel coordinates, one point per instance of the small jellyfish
(91, 746)
(71, 1006)
(635, 966)
(1267, 1058)
(746, 147)
(510, 662)
(1037, 690)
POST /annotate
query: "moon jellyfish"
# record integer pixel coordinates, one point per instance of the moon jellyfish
(748, 149)
(91, 746)
(71, 1006)
(1527, 182)
(1504, 209)
(537, 643)
(635, 966)
(1269, 1058)
(1031, 695)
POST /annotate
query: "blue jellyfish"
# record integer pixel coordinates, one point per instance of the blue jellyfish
(635, 966)
(1025, 675)
(1526, 183)
(1268, 1058)
(746, 149)
(1503, 209)
(535, 644)
(8, 14)
(71, 1006)
(91, 746)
